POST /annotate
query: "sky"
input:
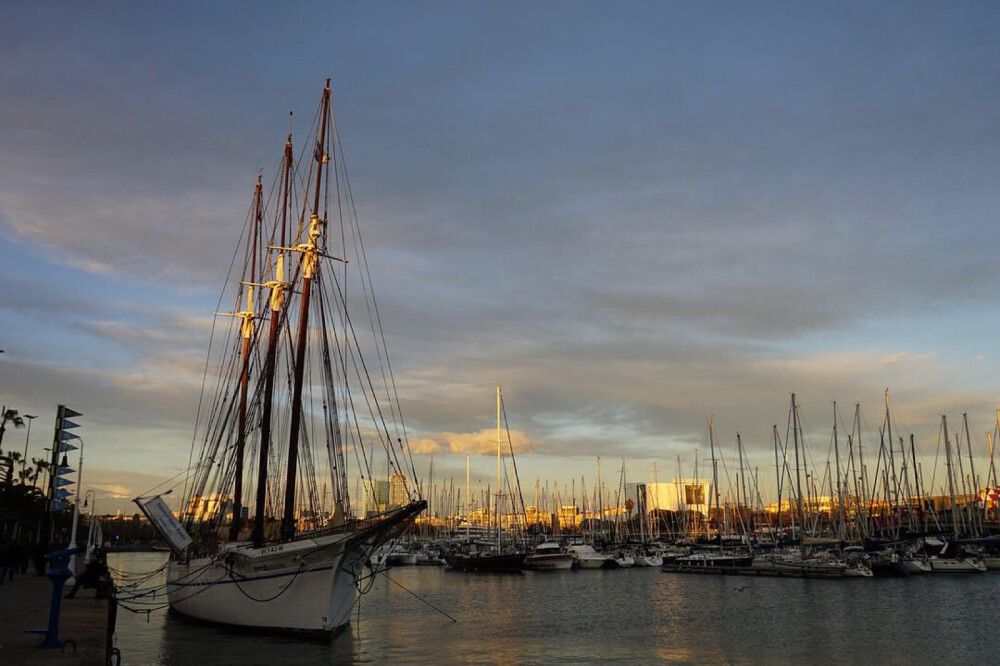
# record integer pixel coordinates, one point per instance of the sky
(632, 216)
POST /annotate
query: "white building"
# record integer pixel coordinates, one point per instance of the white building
(675, 495)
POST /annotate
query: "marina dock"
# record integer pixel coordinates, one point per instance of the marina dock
(24, 605)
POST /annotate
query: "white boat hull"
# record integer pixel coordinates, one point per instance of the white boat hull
(306, 586)
(591, 562)
(553, 562)
(625, 562)
(402, 559)
(992, 562)
(585, 557)
(309, 589)
(812, 568)
(955, 565)
(915, 566)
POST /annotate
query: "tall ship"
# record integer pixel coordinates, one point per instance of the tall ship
(298, 404)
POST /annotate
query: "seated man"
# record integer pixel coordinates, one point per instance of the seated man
(95, 575)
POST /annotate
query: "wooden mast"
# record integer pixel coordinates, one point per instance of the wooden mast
(277, 305)
(310, 256)
(247, 330)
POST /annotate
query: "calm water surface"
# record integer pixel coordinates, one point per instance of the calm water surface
(636, 615)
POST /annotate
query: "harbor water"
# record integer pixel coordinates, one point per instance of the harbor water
(608, 616)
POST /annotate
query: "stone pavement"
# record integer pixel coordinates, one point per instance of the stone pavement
(24, 604)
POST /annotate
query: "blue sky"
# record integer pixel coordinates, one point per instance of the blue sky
(631, 216)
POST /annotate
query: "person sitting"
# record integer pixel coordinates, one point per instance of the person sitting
(95, 575)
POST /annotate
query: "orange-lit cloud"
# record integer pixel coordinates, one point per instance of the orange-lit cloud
(483, 442)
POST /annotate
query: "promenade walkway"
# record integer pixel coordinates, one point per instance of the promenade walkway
(24, 604)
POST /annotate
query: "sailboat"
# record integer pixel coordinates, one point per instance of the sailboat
(258, 546)
(499, 556)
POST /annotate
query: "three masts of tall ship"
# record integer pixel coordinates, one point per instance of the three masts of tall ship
(282, 581)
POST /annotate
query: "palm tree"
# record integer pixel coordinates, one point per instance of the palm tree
(10, 460)
(40, 466)
(9, 416)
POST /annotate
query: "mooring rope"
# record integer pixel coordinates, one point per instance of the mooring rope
(418, 596)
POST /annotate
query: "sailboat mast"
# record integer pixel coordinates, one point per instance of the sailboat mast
(247, 331)
(600, 499)
(277, 305)
(899, 482)
(742, 494)
(310, 257)
(798, 471)
(715, 479)
(951, 483)
(841, 532)
(499, 486)
(468, 498)
(916, 481)
(862, 497)
(778, 472)
(974, 485)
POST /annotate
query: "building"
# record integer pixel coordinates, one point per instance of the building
(208, 507)
(376, 497)
(676, 495)
(398, 495)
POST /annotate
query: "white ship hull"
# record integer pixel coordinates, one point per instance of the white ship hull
(306, 586)
(309, 588)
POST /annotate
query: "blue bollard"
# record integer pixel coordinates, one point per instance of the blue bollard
(58, 573)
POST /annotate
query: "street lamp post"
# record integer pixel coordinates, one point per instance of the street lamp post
(27, 438)
(92, 529)
(76, 511)
(48, 473)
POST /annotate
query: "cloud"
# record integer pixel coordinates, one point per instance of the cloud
(626, 247)
(113, 491)
(483, 442)
(906, 357)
